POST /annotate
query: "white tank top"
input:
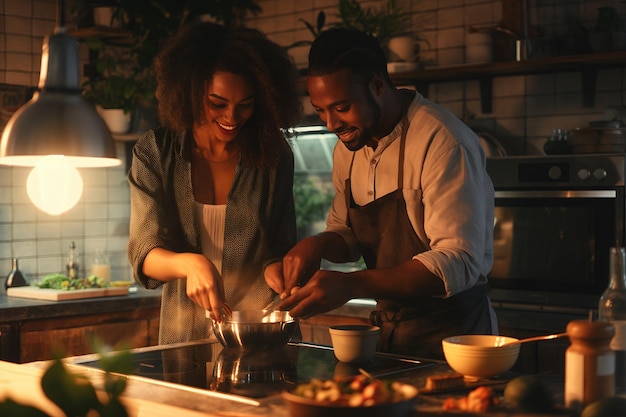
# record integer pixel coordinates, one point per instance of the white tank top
(213, 218)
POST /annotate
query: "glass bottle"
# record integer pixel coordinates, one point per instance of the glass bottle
(612, 308)
(100, 266)
(72, 265)
(15, 277)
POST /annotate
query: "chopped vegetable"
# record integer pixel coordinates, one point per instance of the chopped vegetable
(63, 282)
(357, 391)
(478, 401)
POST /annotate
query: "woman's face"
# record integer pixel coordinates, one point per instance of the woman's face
(229, 104)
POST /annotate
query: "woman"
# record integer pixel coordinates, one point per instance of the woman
(211, 190)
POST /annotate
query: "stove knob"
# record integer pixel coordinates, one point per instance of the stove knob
(599, 173)
(554, 173)
(584, 174)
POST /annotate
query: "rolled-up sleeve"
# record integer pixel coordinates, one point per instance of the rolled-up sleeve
(457, 199)
(448, 194)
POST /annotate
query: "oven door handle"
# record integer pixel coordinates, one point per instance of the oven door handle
(557, 194)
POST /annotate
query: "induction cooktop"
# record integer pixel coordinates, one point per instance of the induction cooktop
(254, 373)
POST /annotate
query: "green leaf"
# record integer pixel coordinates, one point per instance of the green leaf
(113, 409)
(73, 393)
(8, 407)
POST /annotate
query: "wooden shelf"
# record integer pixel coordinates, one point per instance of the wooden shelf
(587, 65)
(113, 36)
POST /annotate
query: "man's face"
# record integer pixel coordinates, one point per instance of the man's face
(347, 107)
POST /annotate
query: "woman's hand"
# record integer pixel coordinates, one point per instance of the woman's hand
(205, 285)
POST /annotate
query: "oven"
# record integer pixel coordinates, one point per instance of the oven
(555, 219)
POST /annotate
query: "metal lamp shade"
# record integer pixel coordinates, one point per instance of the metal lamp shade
(58, 120)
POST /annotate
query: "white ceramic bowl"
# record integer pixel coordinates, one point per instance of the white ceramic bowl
(480, 356)
(354, 343)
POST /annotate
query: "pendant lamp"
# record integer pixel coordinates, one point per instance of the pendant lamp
(57, 121)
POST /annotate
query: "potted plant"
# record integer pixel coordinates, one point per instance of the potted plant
(115, 86)
(390, 24)
(384, 23)
(122, 77)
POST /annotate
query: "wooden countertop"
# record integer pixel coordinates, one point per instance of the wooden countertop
(14, 309)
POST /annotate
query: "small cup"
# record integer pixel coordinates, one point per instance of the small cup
(354, 343)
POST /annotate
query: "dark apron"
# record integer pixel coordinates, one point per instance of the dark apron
(386, 238)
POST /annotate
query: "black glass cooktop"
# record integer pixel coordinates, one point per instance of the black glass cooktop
(254, 373)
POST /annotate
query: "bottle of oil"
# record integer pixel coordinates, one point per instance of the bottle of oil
(15, 277)
(72, 265)
(612, 308)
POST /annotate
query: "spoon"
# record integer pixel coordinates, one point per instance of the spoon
(270, 308)
(367, 374)
(535, 338)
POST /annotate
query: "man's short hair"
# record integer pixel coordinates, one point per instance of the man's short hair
(338, 48)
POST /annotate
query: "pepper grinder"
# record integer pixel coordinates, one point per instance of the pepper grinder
(15, 277)
(589, 363)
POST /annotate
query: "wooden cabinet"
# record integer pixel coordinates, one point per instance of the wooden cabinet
(72, 336)
(33, 330)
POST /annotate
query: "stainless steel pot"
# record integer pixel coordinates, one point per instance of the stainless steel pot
(252, 328)
(254, 373)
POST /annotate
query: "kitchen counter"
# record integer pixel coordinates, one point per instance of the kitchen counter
(30, 329)
(14, 308)
(188, 401)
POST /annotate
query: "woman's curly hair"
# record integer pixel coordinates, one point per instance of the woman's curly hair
(185, 68)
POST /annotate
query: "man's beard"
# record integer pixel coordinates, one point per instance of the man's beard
(367, 134)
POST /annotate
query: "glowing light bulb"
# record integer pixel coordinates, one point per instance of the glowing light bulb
(54, 185)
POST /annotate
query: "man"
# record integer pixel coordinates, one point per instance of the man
(412, 197)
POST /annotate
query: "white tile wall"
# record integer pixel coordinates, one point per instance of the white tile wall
(525, 108)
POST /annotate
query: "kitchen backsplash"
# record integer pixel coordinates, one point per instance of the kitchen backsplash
(525, 109)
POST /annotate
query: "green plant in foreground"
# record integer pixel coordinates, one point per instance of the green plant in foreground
(312, 203)
(74, 394)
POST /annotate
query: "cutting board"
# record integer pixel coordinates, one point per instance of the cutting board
(62, 295)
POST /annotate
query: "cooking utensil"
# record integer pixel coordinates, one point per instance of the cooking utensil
(533, 339)
(367, 374)
(272, 307)
(252, 328)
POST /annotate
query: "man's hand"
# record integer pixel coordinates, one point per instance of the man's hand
(325, 291)
(296, 267)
